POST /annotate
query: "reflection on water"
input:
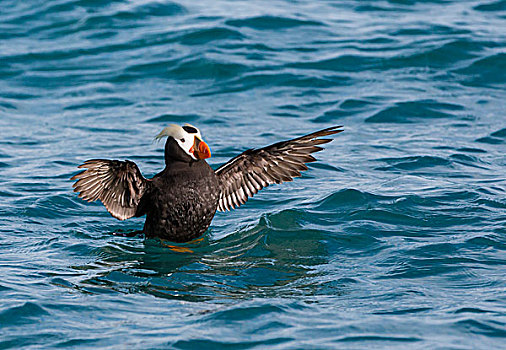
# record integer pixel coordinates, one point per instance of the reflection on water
(261, 261)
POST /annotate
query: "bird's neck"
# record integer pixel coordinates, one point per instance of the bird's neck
(174, 153)
(179, 167)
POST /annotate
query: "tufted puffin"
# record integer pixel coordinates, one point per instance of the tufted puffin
(181, 200)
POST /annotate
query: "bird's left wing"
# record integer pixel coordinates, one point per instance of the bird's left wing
(245, 175)
(119, 185)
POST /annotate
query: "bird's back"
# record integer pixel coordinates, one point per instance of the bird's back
(182, 201)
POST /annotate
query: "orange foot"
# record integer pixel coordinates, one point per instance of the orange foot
(196, 240)
(177, 249)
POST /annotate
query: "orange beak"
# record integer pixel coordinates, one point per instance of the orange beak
(200, 149)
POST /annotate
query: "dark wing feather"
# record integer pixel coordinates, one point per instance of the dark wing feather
(118, 184)
(245, 175)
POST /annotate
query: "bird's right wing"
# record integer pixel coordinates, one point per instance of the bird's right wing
(119, 185)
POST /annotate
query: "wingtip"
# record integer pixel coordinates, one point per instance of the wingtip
(334, 129)
(325, 132)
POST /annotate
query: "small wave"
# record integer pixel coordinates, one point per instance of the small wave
(271, 22)
(494, 6)
(491, 329)
(497, 137)
(128, 16)
(489, 71)
(262, 80)
(411, 111)
(207, 35)
(347, 198)
(447, 55)
(343, 63)
(413, 162)
(346, 108)
(472, 310)
(429, 29)
(27, 313)
(101, 103)
(174, 118)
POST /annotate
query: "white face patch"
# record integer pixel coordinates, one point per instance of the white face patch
(184, 135)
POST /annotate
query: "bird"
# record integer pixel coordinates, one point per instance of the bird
(180, 201)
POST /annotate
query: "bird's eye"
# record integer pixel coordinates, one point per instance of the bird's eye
(182, 140)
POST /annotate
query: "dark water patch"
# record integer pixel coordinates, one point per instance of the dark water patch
(472, 310)
(471, 150)
(285, 115)
(18, 95)
(493, 6)
(271, 22)
(4, 288)
(6, 105)
(490, 140)
(468, 160)
(344, 109)
(379, 40)
(344, 63)
(216, 344)
(347, 198)
(252, 47)
(425, 267)
(354, 104)
(375, 339)
(488, 241)
(375, 8)
(258, 81)
(129, 17)
(412, 212)
(37, 339)
(242, 313)
(203, 68)
(412, 111)
(27, 313)
(413, 163)
(156, 68)
(55, 29)
(157, 9)
(404, 311)
(447, 55)
(52, 207)
(429, 30)
(491, 203)
(495, 138)
(174, 118)
(499, 133)
(8, 71)
(105, 130)
(207, 35)
(77, 342)
(482, 327)
(489, 71)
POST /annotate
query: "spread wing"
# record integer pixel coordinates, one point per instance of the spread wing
(243, 176)
(118, 184)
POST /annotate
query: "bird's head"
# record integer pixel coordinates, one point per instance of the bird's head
(184, 143)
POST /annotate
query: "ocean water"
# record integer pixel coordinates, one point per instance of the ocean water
(394, 239)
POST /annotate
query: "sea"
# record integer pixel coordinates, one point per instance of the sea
(394, 239)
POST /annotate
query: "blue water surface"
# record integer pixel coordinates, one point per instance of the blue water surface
(394, 239)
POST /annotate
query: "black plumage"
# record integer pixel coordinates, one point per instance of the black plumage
(181, 201)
